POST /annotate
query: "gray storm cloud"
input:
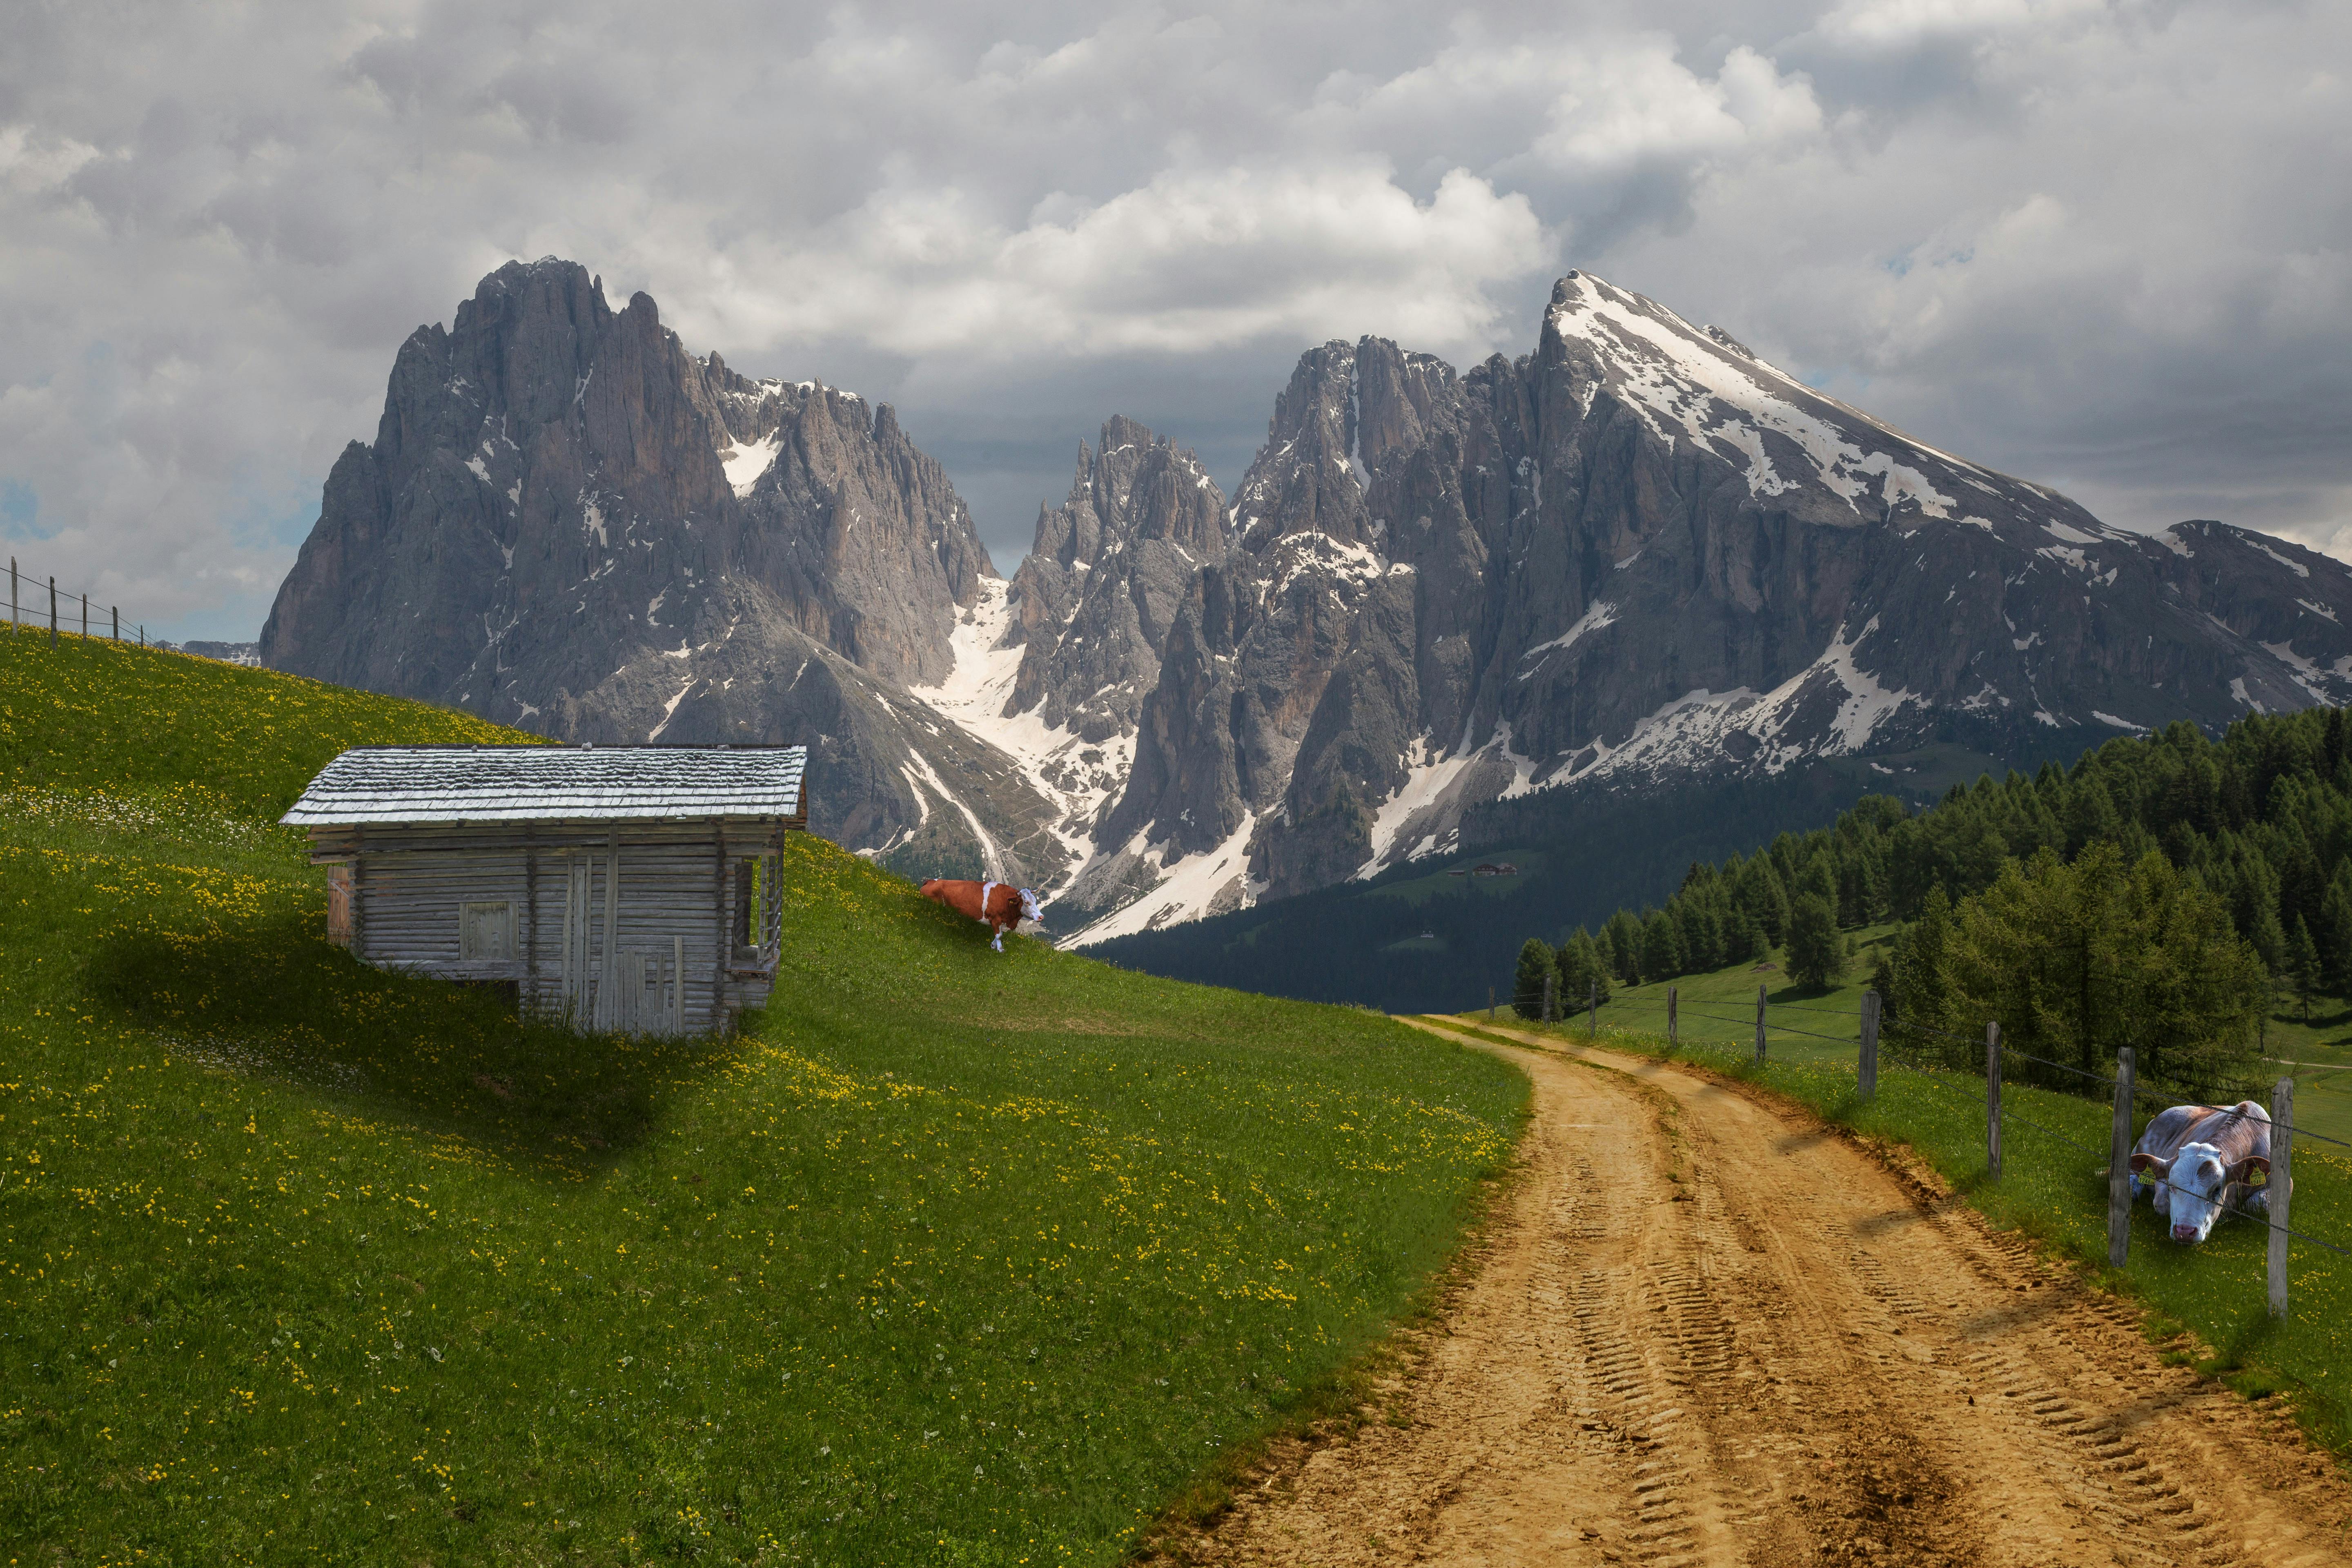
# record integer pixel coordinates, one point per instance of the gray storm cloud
(2102, 245)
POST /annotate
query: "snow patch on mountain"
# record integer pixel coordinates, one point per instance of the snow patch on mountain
(1678, 375)
(1430, 785)
(1601, 614)
(1076, 775)
(2297, 567)
(1194, 886)
(1697, 730)
(745, 463)
(2301, 670)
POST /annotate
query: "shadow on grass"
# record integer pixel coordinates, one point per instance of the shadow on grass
(272, 1000)
(2252, 1335)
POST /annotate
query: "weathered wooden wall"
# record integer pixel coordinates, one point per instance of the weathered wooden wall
(677, 904)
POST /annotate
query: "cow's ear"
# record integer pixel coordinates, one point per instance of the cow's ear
(2145, 1162)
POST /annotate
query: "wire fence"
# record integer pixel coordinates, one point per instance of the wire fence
(38, 607)
(1968, 1071)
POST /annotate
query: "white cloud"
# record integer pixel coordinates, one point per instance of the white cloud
(1892, 26)
(2104, 246)
(1629, 109)
(1190, 263)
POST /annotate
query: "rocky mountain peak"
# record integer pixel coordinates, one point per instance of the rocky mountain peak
(1643, 554)
(1637, 555)
(571, 524)
(1309, 477)
(1093, 601)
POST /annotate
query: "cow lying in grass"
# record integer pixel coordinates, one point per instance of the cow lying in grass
(998, 905)
(2197, 1161)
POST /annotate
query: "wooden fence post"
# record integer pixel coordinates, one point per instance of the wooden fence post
(1869, 1066)
(1760, 1023)
(12, 595)
(118, 621)
(2119, 1176)
(2281, 1187)
(1674, 1031)
(1490, 1004)
(1592, 1011)
(1551, 990)
(53, 612)
(1992, 1100)
(84, 617)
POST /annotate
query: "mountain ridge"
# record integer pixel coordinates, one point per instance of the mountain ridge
(1638, 557)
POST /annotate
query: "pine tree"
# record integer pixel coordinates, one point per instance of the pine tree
(1820, 880)
(1743, 938)
(2335, 934)
(1694, 927)
(1765, 899)
(1582, 973)
(1626, 940)
(1536, 963)
(1816, 949)
(2303, 964)
(2269, 939)
(1922, 994)
(1661, 948)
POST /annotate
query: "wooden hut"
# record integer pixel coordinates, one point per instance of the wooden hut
(633, 888)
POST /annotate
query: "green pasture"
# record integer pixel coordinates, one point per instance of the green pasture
(2055, 1145)
(1719, 1007)
(2317, 1055)
(947, 1258)
(1799, 1023)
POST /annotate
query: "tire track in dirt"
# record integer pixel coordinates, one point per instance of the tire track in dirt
(1704, 1331)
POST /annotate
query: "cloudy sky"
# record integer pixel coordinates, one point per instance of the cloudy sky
(2101, 246)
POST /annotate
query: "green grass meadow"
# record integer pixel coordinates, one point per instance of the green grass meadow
(2053, 1146)
(1800, 1025)
(946, 1257)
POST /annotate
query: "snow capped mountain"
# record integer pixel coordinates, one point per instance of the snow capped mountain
(1637, 557)
(1640, 556)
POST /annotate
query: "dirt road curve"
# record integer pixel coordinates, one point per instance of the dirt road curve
(1786, 1356)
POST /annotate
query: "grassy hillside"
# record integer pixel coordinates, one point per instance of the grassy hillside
(948, 1258)
(1720, 1007)
(98, 715)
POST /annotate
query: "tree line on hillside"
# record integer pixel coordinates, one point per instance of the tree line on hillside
(2152, 895)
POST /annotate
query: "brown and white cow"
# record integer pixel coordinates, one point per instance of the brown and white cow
(1000, 906)
(2197, 1161)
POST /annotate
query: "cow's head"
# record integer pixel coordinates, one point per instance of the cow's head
(2198, 1186)
(1030, 907)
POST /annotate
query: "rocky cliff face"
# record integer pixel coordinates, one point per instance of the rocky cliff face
(570, 524)
(1641, 555)
(1638, 556)
(1093, 602)
(1053, 669)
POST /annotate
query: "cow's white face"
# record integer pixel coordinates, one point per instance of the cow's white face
(2198, 1187)
(1030, 908)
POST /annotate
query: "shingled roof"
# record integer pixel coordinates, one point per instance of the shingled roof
(542, 784)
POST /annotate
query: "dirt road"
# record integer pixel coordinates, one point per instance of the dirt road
(1703, 1333)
